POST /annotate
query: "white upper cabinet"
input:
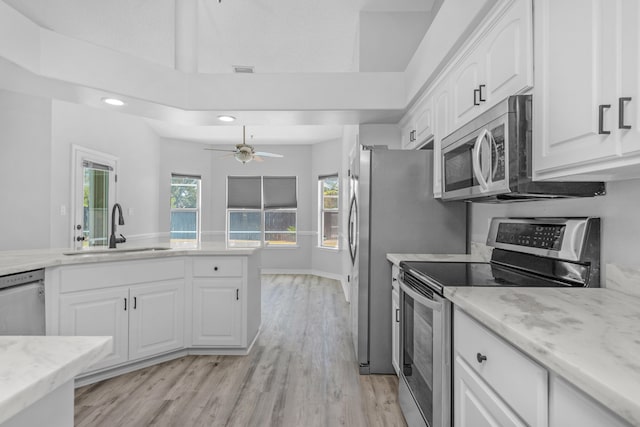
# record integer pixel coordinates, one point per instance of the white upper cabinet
(497, 64)
(586, 89)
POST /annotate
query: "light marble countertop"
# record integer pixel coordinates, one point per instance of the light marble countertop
(33, 366)
(397, 258)
(591, 337)
(25, 260)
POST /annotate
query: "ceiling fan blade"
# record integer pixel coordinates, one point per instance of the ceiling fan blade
(263, 154)
(220, 149)
(258, 158)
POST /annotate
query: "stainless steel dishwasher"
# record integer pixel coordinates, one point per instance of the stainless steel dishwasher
(22, 303)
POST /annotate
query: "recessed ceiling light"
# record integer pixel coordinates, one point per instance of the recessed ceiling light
(113, 101)
(226, 118)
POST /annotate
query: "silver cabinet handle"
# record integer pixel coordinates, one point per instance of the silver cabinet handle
(621, 104)
(601, 109)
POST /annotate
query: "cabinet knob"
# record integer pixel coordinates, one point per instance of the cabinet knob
(215, 268)
(481, 357)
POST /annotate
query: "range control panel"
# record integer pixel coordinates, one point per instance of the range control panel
(543, 236)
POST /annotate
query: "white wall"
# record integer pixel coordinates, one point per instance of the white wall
(176, 156)
(127, 137)
(25, 170)
(326, 160)
(618, 211)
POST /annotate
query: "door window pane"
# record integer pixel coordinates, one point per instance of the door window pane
(95, 224)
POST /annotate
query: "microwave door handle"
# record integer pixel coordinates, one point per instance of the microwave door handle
(477, 168)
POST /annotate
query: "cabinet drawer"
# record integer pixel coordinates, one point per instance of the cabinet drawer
(518, 380)
(217, 267)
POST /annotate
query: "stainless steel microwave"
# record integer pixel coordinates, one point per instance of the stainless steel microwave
(489, 159)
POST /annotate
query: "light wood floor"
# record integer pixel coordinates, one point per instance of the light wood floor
(301, 372)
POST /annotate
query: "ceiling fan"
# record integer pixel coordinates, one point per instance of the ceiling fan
(245, 153)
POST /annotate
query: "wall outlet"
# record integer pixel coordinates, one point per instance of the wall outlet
(130, 211)
(63, 210)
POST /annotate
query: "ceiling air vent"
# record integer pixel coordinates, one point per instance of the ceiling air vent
(244, 69)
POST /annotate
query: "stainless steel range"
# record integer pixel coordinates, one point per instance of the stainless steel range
(529, 252)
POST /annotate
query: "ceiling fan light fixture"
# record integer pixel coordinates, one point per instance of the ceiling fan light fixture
(226, 118)
(243, 156)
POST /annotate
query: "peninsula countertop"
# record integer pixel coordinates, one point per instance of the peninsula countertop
(588, 336)
(33, 366)
(32, 259)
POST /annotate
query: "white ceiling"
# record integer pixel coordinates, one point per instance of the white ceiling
(274, 36)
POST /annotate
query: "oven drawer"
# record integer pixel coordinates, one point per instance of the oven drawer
(519, 381)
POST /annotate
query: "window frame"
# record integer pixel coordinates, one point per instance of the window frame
(263, 243)
(197, 210)
(322, 210)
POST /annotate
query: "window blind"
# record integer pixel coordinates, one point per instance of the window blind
(97, 166)
(280, 192)
(244, 192)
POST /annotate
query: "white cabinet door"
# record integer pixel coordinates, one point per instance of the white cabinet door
(156, 318)
(508, 55)
(574, 83)
(629, 76)
(395, 330)
(441, 128)
(570, 407)
(98, 313)
(475, 404)
(465, 84)
(498, 64)
(424, 121)
(217, 312)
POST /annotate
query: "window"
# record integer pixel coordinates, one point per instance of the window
(185, 210)
(261, 211)
(329, 211)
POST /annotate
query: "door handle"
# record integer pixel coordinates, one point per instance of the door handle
(601, 109)
(621, 104)
(476, 93)
(135, 302)
(237, 294)
(477, 167)
(482, 98)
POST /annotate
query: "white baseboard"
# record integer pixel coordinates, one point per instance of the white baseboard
(334, 276)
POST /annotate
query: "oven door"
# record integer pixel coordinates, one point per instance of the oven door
(476, 165)
(425, 357)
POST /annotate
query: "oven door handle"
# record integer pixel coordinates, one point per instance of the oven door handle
(427, 302)
(477, 167)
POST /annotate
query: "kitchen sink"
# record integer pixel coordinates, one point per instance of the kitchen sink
(115, 251)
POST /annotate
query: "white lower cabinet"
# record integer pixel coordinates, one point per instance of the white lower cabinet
(494, 382)
(98, 313)
(156, 319)
(217, 312)
(569, 406)
(475, 402)
(143, 320)
(395, 330)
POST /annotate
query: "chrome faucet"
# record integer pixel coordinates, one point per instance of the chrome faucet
(113, 240)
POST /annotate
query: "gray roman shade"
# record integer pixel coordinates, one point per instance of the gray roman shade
(280, 192)
(244, 192)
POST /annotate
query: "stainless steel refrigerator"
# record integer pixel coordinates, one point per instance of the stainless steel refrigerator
(392, 210)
